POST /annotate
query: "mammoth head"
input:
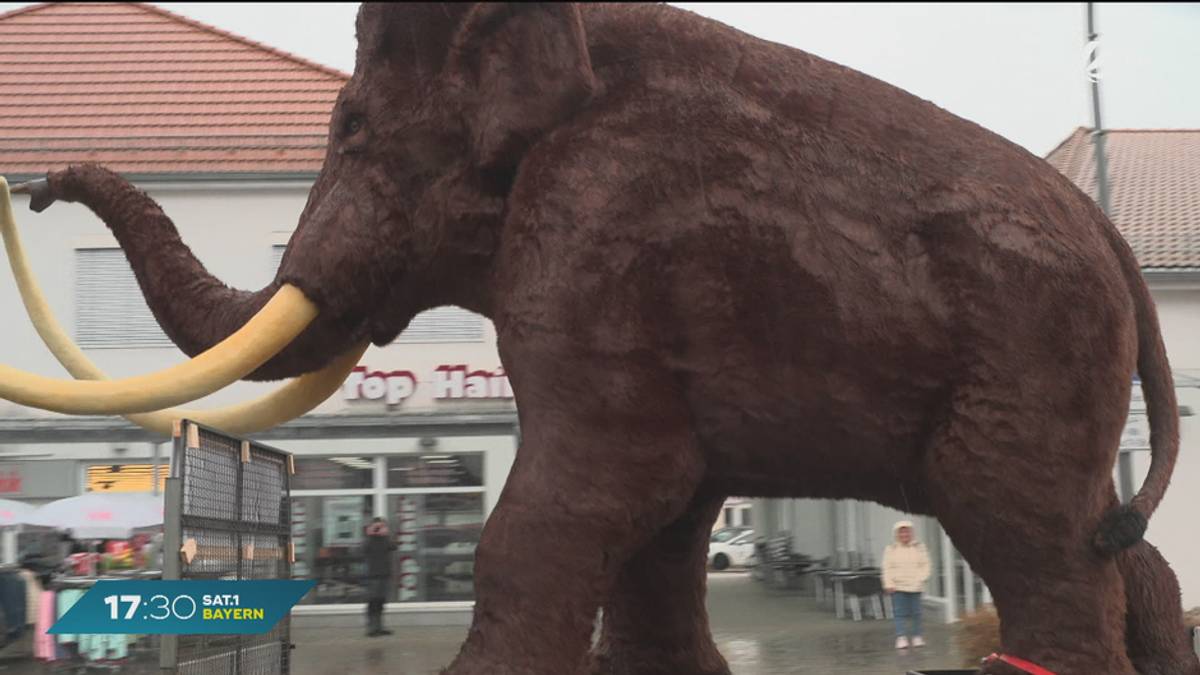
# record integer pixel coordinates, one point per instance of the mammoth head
(444, 102)
(405, 215)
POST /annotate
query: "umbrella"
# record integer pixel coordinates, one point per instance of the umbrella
(102, 515)
(15, 513)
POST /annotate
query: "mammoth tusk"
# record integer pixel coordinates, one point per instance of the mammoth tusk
(277, 324)
(286, 403)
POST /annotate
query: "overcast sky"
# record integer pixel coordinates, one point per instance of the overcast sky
(1015, 69)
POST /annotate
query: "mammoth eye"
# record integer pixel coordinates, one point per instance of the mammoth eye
(353, 125)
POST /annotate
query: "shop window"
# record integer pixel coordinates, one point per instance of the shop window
(328, 536)
(334, 473)
(435, 470)
(435, 537)
(109, 308)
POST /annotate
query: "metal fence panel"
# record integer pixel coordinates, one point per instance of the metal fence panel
(231, 496)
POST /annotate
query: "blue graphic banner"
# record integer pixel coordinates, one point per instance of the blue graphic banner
(149, 607)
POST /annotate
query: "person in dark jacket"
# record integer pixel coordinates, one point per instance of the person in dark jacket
(377, 552)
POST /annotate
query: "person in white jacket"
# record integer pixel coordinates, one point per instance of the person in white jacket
(906, 568)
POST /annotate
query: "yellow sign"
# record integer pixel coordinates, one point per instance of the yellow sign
(124, 478)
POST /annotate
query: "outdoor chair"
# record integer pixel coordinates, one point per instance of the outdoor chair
(867, 585)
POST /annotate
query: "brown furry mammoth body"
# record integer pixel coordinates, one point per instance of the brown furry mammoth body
(721, 266)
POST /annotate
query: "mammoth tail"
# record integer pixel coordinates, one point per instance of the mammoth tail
(1124, 526)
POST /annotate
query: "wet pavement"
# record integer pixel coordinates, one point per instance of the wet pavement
(761, 630)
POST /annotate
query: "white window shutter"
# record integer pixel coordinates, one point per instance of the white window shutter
(444, 324)
(109, 308)
(276, 258)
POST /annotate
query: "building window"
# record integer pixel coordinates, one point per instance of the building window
(109, 308)
(434, 505)
(436, 536)
(424, 471)
(334, 473)
(328, 532)
(277, 258)
(444, 324)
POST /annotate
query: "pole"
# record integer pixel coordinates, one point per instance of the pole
(949, 580)
(1124, 457)
(1098, 126)
(155, 446)
(168, 656)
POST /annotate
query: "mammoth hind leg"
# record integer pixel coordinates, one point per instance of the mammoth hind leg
(1156, 638)
(655, 621)
(1019, 501)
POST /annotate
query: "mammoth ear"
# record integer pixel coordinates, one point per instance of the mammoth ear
(414, 38)
(522, 69)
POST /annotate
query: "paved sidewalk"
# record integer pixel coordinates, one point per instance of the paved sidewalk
(760, 630)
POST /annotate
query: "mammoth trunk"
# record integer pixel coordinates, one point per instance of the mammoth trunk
(195, 309)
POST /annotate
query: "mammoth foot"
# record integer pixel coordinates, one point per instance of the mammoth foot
(650, 662)
(1179, 667)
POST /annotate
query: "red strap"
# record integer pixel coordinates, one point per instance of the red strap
(1031, 668)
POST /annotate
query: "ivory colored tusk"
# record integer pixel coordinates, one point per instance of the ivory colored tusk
(286, 403)
(277, 324)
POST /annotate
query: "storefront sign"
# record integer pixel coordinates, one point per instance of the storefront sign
(125, 478)
(300, 539)
(406, 542)
(449, 383)
(10, 482)
(343, 521)
(392, 387)
(48, 479)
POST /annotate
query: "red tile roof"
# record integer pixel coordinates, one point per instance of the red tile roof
(145, 91)
(1154, 188)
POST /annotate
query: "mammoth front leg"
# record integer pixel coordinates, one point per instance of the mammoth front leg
(655, 620)
(1156, 638)
(579, 502)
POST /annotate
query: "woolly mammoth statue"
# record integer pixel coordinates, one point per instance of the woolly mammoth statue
(716, 266)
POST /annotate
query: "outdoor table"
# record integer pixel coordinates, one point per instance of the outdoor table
(839, 578)
(821, 577)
